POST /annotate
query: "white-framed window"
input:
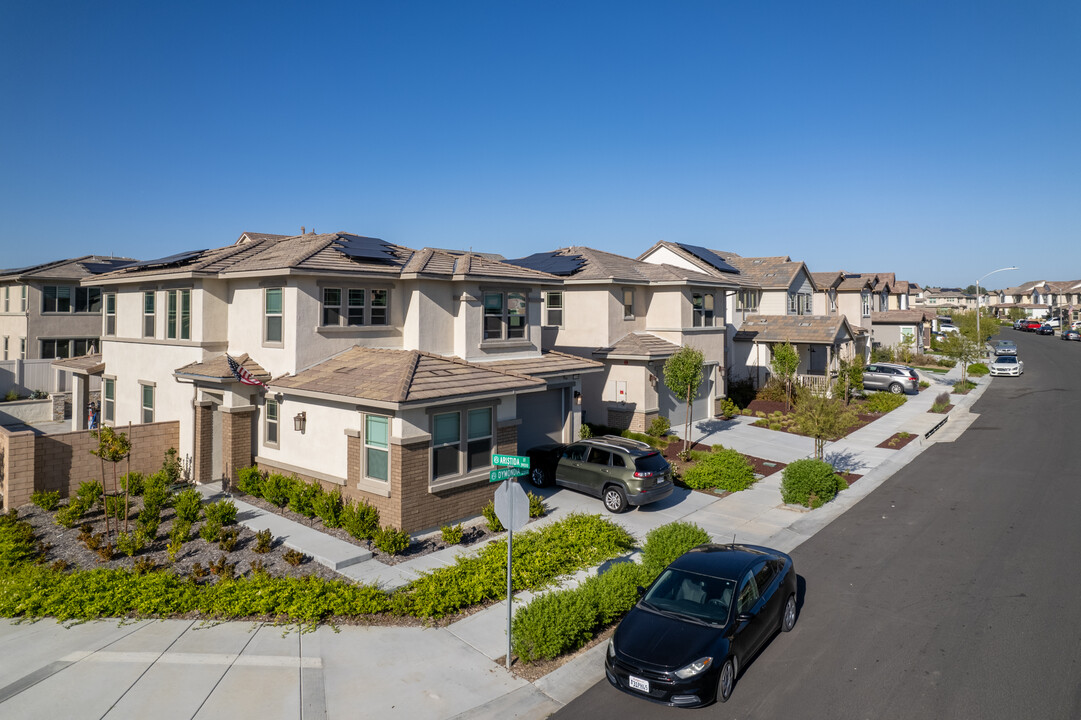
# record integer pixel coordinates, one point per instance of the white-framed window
(748, 300)
(22, 301)
(377, 447)
(6, 340)
(273, 330)
(504, 315)
(146, 392)
(702, 309)
(865, 298)
(462, 442)
(108, 399)
(832, 294)
(553, 308)
(7, 302)
(22, 348)
(799, 304)
(270, 422)
(110, 314)
(354, 307)
(178, 314)
(149, 303)
(628, 303)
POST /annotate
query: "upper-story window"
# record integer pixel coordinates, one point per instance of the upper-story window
(178, 315)
(7, 302)
(22, 300)
(628, 303)
(272, 316)
(504, 315)
(799, 304)
(865, 298)
(66, 347)
(832, 295)
(354, 307)
(702, 309)
(6, 339)
(148, 313)
(748, 300)
(553, 308)
(65, 299)
(110, 314)
(108, 399)
(22, 348)
(884, 301)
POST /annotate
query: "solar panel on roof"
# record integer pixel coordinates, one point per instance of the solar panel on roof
(552, 263)
(104, 266)
(710, 257)
(18, 271)
(356, 247)
(170, 260)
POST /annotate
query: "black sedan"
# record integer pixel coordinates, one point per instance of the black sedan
(1045, 329)
(705, 615)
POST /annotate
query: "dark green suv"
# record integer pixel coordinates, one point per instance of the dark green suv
(618, 470)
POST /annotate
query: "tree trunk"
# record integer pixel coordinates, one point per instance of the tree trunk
(687, 426)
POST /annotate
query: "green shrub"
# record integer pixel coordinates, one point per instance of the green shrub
(760, 413)
(666, 543)
(170, 467)
(130, 543)
(659, 426)
(264, 541)
(452, 534)
(584, 433)
(772, 391)
(488, 511)
(775, 426)
(978, 369)
(328, 506)
(391, 540)
(133, 482)
(210, 531)
(810, 483)
(924, 384)
(188, 505)
(222, 512)
(882, 402)
(294, 557)
(114, 507)
(657, 442)
(89, 493)
(729, 409)
(277, 489)
(360, 520)
(227, 539)
(180, 532)
(17, 545)
(47, 500)
(722, 469)
(302, 497)
(149, 520)
(156, 493)
(250, 481)
(963, 386)
(537, 506)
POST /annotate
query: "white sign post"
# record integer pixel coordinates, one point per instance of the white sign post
(512, 509)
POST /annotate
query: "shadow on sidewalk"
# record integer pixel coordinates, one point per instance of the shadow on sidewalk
(845, 461)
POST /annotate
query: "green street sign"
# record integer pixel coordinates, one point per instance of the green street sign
(505, 474)
(514, 461)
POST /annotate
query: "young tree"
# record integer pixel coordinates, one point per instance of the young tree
(683, 375)
(822, 417)
(963, 349)
(850, 378)
(784, 364)
(112, 447)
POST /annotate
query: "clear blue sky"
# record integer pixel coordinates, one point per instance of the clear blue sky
(931, 138)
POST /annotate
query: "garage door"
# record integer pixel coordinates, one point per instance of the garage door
(675, 409)
(542, 415)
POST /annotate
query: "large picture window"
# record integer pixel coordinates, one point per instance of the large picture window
(462, 442)
(355, 307)
(504, 315)
(56, 298)
(272, 316)
(377, 447)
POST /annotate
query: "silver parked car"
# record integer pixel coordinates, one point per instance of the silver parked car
(888, 376)
(1004, 347)
(1007, 365)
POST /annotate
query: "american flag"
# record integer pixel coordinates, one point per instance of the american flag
(241, 374)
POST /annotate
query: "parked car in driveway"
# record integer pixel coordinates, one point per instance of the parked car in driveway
(1007, 365)
(888, 376)
(1070, 334)
(620, 471)
(700, 622)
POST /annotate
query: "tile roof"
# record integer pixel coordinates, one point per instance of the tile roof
(217, 368)
(901, 316)
(638, 345)
(70, 269)
(403, 376)
(86, 364)
(431, 262)
(825, 280)
(856, 282)
(551, 362)
(815, 329)
(767, 272)
(600, 265)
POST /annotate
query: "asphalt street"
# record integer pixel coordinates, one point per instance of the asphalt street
(950, 591)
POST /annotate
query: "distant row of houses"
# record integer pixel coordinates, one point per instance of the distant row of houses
(394, 373)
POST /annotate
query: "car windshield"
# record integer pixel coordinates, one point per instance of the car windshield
(1006, 343)
(1007, 360)
(654, 462)
(690, 595)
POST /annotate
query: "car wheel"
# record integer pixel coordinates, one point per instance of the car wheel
(896, 388)
(727, 681)
(615, 500)
(538, 477)
(788, 620)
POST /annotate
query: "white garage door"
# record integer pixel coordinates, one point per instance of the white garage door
(675, 409)
(543, 415)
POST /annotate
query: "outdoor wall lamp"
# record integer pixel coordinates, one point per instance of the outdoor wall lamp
(299, 421)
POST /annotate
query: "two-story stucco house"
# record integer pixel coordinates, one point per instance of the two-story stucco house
(390, 373)
(632, 316)
(52, 310)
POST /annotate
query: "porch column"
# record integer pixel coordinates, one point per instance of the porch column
(80, 399)
(236, 434)
(204, 441)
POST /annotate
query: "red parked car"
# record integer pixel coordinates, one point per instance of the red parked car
(1031, 326)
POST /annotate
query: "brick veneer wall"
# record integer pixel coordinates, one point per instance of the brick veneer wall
(620, 419)
(236, 441)
(63, 461)
(204, 439)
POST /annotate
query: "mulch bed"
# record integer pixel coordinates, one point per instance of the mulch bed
(942, 412)
(762, 467)
(897, 441)
(849, 477)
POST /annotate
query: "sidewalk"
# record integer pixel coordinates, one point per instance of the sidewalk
(184, 669)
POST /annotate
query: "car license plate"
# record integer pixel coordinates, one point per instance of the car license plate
(637, 683)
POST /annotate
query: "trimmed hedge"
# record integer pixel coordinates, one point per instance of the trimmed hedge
(978, 369)
(724, 469)
(810, 483)
(883, 402)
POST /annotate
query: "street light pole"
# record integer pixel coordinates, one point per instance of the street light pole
(979, 336)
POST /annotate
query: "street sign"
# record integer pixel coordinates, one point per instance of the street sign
(505, 474)
(515, 461)
(511, 506)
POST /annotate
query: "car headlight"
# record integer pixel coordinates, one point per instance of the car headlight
(611, 647)
(696, 668)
